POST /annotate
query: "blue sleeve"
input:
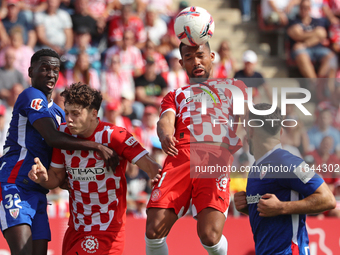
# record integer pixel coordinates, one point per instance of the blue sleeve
(303, 180)
(35, 105)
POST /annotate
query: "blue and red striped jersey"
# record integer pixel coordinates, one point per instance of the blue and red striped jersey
(24, 142)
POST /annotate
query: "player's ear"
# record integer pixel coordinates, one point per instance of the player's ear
(212, 56)
(181, 62)
(30, 70)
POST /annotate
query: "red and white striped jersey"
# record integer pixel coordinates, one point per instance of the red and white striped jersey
(97, 196)
(192, 125)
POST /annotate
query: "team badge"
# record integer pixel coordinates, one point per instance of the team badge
(222, 183)
(263, 172)
(90, 244)
(14, 212)
(155, 195)
(96, 155)
(36, 104)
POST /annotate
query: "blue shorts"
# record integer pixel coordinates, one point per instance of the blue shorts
(21, 206)
(316, 53)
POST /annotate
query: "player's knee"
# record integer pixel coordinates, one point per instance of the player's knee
(153, 233)
(210, 238)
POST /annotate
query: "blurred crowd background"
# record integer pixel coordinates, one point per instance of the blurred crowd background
(128, 50)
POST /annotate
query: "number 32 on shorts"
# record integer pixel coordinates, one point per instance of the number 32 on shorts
(12, 201)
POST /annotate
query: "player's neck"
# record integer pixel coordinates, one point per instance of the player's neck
(264, 146)
(90, 130)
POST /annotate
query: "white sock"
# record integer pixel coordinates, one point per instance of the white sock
(156, 246)
(220, 248)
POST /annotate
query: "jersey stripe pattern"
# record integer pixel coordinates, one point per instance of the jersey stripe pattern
(281, 173)
(192, 125)
(98, 196)
(24, 142)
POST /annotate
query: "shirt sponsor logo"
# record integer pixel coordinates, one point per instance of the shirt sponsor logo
(85, 174)
(253, 199)
(130, 141)
(36, 104)
(90, 244)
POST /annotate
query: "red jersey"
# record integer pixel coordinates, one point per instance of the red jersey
(192, 125)
(117, 28)
(97, 196)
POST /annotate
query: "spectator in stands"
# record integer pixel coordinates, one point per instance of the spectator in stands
(140, 211)
(82, 72)
(331, 9)
(176, 77)
(322, 128)
(323, 158)
(278, 12)
(252, 78)
(126, 21)
(131, 59)
(100, 9)
(165, 46)
(245, 6)
(112, 114)
(9, 75)
(161, 66)
(30, 7)
(307, 34)
(82, 18)
(82, 42)
(14, 92)
(114, 80)
(332, 104)
(54, 28)
(295, 136)
(4, 39)
(225, 68)
(155, 27)
(148, 127)
(162, 7)
(23, 53)
(127, 102)
(150, 87)
(16, 18)
(3, 127)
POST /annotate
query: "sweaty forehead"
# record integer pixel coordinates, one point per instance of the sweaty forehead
(49, 61)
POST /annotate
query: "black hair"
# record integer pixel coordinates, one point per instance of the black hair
(42, 53)
(82, 94)
(182, 45)
(271, 127)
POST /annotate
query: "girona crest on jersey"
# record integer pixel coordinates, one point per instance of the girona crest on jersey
(36, 104)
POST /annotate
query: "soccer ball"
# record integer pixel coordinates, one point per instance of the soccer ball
(194, 26)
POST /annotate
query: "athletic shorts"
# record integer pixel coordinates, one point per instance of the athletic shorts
(178, 185)
(94, 242)
(21, 206)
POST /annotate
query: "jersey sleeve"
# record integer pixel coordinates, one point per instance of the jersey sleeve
(302, 179)
(126, 145)
(35, 106)
(58, 159)
(168, 103)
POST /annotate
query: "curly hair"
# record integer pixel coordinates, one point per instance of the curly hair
(42, 53)
(82, 94)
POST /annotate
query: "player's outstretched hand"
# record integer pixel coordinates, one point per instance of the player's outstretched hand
(109, 156)
(38, 172)
(269, 206)
(157, 177)
(168, 145)
(240, 200)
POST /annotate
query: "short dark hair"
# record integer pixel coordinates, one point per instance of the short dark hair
(271, 127)
(82, 94)
(42, 53)
(182, 45)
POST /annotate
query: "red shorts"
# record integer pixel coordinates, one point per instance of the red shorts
(94, 242)
(178, 184)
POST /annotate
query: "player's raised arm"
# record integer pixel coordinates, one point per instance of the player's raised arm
(50, 179)
(165, 131)
(60, 140)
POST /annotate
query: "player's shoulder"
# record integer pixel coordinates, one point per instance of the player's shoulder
(284, 157)
(32, 92)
